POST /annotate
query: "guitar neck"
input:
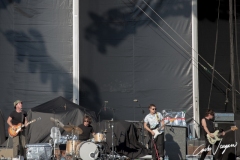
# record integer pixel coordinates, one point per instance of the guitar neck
(29, 122)
(219, 134)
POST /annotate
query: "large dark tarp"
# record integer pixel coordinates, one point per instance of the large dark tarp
(124, 55)
(58, 108)
(36, 52)
(125, 138)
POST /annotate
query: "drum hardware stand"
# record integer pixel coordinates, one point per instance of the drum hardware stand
(113, 153)
(54, 145)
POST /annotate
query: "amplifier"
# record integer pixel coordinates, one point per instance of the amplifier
(39, 151)
(224, 117)
(6, 153)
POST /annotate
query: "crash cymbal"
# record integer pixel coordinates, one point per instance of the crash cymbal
(78, 130)
(68, 128)
(72, 128)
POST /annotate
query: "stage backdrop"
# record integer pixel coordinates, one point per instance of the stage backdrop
(124, 55)
(36, 52)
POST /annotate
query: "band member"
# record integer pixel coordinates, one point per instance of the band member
(154, 120)
(86, 128)
(208, 126)
(18, 116)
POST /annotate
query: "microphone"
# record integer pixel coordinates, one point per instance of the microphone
(135, 100)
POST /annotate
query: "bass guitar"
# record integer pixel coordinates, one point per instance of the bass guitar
(160, 130)
(216, 134)
(13, 131)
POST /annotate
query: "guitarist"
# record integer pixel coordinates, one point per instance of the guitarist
(18, 116)
(154, 120)
(208, 126)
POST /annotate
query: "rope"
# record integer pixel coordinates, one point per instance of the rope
(214, 59)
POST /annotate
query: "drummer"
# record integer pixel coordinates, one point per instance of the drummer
(86, 128)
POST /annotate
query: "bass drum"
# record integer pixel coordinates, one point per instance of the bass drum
(87, 151)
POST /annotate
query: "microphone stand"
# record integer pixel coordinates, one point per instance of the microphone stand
(193, 119)
(99, 117)
(112, 125)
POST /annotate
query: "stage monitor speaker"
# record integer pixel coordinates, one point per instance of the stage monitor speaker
(175, 142)
(39, 151)
(229, 138)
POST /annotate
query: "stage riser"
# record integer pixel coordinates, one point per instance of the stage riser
(190, 157)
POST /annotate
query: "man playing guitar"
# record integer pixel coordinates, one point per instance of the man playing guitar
(18, 116)
(208, 126)
(155, 120)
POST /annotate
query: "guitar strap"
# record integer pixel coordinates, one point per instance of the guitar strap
(158, 119)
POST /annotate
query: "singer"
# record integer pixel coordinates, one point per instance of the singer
(18, 116)
(152, 121)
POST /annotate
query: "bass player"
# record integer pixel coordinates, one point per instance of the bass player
(153, 121)
(208, 127)
(18, 116)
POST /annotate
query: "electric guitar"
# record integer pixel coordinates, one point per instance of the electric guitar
(13, 131)
(159, 130)
(216, 135)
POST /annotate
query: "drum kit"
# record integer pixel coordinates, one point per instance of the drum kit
(92, 149)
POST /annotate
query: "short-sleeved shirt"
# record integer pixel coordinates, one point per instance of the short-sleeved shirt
(18, 117)
(87, 130)
(152, 120)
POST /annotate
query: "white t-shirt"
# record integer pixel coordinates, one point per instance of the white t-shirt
(152, 119)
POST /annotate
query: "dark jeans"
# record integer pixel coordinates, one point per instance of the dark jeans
(159, 142)
(217, 156)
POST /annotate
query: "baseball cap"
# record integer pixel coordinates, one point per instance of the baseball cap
(16, 102)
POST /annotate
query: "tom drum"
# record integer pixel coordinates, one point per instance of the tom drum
(99, 137)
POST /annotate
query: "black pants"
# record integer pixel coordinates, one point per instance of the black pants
(159, 142)
(217, 156)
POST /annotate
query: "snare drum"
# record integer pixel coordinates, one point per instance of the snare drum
(87, 150)
(99, 137)
(71, 146)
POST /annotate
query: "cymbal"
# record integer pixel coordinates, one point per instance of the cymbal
(67, 128)
(72, 128)
(78, 130)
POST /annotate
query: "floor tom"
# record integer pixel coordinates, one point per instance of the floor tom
(71, 147)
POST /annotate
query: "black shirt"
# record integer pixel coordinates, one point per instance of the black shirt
(18, 117)
(87, 130)
(210, 126)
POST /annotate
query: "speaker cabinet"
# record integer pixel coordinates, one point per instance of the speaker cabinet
(229, 138)
(6, 152)
(175, 142)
